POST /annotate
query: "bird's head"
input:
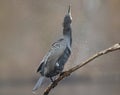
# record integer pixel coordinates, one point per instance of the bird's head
(68, 17)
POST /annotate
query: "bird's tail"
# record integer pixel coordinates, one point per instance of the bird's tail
(38, 84)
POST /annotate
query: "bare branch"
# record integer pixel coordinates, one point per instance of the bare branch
(68, 72)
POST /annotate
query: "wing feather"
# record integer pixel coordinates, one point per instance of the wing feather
(54, 53)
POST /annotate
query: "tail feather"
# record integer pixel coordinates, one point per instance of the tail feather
(38, 84)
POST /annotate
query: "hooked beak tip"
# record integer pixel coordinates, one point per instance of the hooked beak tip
(69, 9)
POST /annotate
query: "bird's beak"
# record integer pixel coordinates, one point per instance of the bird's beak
(69, 11)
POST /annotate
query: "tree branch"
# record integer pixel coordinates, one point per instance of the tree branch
(68, 72)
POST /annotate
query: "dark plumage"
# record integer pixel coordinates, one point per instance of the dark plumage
(54, 61)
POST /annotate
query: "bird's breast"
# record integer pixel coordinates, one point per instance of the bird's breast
(64, 57)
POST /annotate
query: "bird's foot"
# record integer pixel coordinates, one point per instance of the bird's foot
(62, 73)
(51, 79)
(65, 73)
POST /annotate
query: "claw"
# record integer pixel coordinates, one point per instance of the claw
(51, 79)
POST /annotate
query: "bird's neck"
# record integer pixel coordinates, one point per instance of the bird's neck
(67, 33)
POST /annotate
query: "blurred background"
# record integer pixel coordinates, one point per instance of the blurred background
(29, 27)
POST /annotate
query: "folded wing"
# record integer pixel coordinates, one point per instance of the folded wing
(52, 56)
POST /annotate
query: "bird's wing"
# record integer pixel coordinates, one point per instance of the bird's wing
(57, 50)
(54, 53)
(40, 66)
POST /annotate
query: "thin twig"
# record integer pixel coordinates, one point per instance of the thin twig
(68, 72)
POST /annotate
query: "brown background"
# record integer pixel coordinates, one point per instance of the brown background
(29, 27)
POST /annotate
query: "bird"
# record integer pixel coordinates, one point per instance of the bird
(53, 62)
